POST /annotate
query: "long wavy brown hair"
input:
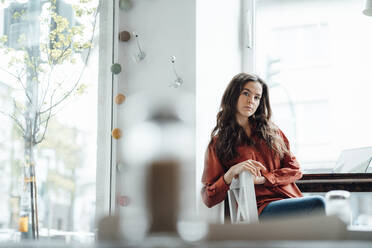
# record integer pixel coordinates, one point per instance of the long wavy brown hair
(228, 134)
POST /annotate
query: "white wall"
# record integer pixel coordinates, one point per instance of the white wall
(166, 28)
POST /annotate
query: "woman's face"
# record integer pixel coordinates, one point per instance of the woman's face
(249, 100)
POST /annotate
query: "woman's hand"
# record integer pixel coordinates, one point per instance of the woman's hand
(252, 166)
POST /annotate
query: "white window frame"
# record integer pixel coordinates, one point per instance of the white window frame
(106, 147)
(249, 36)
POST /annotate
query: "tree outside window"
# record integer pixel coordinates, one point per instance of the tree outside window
(46, 48)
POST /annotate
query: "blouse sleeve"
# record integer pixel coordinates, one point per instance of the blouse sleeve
(289, 171)
(214, 188)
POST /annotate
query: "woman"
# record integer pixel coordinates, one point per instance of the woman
(245, 139)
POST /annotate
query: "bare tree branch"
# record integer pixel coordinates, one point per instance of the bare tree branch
(45, 129)
(46, 90)
(36, 125)
(12, 74)
(18, 78)
(19, 125)
(17, 108)
(81, 73)
(36, 128)
(51, 103)
(22, 72)
(46, 126)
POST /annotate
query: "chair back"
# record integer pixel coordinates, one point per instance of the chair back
(242, 199)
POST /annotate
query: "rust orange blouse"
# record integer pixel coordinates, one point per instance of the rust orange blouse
(280, 177)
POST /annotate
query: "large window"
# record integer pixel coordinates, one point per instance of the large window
(316, 58)
(48, 105)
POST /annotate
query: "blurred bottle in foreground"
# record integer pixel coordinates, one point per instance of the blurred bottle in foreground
(338, 203)
(159, 161)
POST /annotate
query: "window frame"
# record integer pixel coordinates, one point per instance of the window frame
(106, 147)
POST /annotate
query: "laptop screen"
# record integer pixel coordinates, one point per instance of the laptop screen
(358, 160)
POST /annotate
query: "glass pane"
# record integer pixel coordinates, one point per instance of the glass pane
(48, 104)
(315, 56)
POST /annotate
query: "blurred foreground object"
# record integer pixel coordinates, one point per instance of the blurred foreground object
(109, 230)
(314, 228)
(337, 203)
(158, 160)
(163, 193)
(368, 8)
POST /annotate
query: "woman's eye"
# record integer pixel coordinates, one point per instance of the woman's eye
(257, 98)
(245, 93)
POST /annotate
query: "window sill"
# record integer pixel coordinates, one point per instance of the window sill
(353, 182)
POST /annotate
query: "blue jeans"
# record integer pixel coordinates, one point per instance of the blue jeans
(309, 205)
